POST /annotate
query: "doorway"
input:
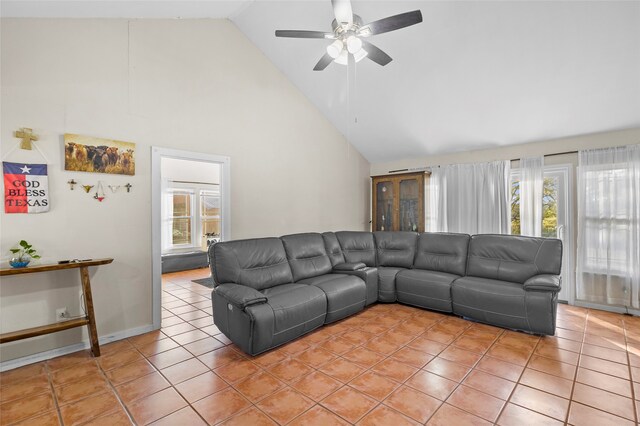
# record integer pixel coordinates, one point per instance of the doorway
(190, 199)
(556, 218)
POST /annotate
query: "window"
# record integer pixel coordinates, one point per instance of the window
(181, 218)
(549, 204)
(607, 219)
(193, 216)
(209, 215)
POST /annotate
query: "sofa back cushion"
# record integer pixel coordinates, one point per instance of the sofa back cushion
(513, 258)
(442, 252)
(357, 246)
(332, 246)
(396, 249)
(258, 263)
(307, 255)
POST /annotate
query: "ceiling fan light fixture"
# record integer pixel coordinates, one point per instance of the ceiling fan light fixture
(354, 44)
(343, 58)
(335, 49)
(360, 55)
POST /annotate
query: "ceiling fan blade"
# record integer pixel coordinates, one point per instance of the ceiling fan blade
(303, 34)
(342, 11)
(375, 54)
(391, 23)
(323, 62)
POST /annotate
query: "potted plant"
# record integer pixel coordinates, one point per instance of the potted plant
(23, 255)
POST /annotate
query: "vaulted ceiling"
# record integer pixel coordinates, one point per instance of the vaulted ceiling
(474, 74)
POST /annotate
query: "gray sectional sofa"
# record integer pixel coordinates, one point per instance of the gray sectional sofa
(269, 291)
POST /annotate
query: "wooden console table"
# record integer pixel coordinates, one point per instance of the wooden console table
(89, 319)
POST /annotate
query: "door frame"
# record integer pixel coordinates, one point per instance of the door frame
(566, 170)
(569, 242)
(157, 153)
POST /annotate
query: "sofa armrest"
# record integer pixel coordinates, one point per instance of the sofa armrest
(343, 267)
(240, 295)
(370, 277)
(543, 283)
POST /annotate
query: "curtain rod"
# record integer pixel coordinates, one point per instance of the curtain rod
(550, 155)
(198, 183)
(428, 169)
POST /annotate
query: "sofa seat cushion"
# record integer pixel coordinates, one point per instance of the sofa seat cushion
(346, 294)
(427, 289)
(297, 309)
(493, 301)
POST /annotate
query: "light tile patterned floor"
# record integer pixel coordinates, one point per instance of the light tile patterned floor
(390, 364)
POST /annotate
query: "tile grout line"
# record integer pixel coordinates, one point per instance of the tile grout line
(633, 396)
(469, 372)
(575, 374)
(53, 393)
(524, 368)
(117, 395)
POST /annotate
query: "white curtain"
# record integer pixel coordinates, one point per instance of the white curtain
(470, 198)
(531, 183)
(608, 267)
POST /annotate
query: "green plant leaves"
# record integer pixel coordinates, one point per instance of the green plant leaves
(26, 248)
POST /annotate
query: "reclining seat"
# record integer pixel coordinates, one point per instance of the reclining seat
(441, 258)
(368, 274)
(255, 303)
(511, 281)
(396, 251)
(310, 265)
(359, 247)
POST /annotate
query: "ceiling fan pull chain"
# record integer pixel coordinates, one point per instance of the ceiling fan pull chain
(355, 91)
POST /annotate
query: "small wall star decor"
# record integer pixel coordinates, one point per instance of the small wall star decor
(27, 137)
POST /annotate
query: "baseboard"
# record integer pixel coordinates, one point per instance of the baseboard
(42, 356)
(609, 308)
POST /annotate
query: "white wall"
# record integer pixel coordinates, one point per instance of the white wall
(197, 85)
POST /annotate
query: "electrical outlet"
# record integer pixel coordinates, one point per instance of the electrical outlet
(62, 314)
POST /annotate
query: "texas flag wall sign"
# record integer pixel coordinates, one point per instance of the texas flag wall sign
(26, 188)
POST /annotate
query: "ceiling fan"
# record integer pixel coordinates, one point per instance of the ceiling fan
(349, 33)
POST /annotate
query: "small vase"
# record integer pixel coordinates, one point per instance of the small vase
(19, 262)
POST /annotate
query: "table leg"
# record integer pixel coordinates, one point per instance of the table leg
(88, 301)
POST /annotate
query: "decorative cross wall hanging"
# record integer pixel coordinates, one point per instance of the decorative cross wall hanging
(72, 183)
(27, 137)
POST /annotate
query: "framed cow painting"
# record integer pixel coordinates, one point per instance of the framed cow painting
(97, 155)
